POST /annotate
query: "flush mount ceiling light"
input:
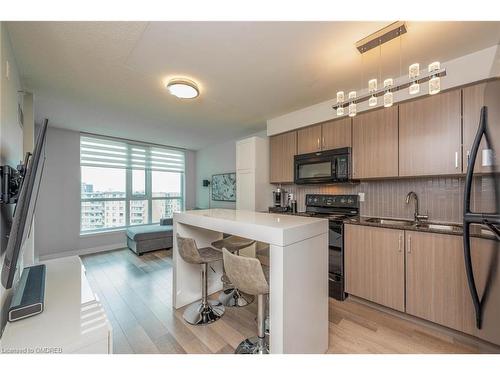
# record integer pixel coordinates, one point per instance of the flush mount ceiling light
(183, 88)
(412, 82)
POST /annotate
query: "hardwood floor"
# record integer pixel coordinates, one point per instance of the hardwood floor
(136, 293)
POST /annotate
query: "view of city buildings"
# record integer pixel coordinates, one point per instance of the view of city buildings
(107, 209)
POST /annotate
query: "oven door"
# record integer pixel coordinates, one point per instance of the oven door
(335, 252)
(314, 169)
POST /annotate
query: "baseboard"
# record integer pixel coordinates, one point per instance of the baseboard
(91, 250)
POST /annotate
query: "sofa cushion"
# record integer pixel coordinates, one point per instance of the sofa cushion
(149, 232)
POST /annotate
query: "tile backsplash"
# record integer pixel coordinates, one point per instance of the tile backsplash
(439, 197)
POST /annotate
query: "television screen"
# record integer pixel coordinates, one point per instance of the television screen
(25, 207)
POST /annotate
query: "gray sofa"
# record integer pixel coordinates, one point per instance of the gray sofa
(144, 238)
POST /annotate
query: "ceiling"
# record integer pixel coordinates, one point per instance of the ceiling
(108, 77)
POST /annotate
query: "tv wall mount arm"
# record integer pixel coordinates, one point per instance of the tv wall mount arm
(12, 180)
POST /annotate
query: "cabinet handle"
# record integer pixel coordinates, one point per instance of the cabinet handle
(399, 242)
(318, 145)
(323, 142)
(456, 159)
(409, 243)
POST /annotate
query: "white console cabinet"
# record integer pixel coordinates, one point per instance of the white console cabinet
(73, 320)
(253, 191)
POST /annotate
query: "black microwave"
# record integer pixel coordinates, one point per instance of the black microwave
(323, 167)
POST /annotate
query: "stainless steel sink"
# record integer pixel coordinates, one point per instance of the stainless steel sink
(395, 222)
(443, 227)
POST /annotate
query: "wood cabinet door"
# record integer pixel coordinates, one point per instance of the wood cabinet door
(374, 264)
(336, 134)
(309, 139)
(375, 144)
(430, 135)
(436, 287)
(283, 147)
(473, 98)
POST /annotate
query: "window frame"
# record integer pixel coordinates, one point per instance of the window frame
(129, 196)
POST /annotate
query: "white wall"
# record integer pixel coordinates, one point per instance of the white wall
(11, 142)
(474, 67)
(57, 219)
(215, 159)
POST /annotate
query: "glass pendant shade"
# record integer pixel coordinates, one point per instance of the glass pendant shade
(340, 111)
(352, 109)
(434, 85)
(372, 102)
(388, 99)
(340, 97)
(414, 88)
(372, 85)
(414, 71)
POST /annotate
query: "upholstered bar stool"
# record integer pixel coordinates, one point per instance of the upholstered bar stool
(247, 275)
(232, 296)
(205, 311)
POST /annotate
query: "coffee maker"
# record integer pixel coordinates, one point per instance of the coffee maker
(279, 197)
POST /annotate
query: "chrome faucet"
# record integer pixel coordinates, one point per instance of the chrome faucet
(416, 215)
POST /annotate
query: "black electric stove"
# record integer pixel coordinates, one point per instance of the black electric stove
(335, 208)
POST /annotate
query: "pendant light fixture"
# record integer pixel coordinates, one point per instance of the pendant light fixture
(435, 81)
(390, 85)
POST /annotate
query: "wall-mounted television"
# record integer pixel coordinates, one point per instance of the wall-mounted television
(25, 208)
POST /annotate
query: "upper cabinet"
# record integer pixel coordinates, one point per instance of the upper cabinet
(375, 144)
(309, 139)
(473, 100)
(326, 136)
(283, 147)
(336, 134)
(430, 135)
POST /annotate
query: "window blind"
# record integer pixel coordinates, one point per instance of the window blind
(111, 153)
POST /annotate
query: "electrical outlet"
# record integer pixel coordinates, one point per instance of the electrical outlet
(361, 197)
(7, 69)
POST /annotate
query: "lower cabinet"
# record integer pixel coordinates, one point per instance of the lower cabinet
(436, 283)
(374, 264)
(389, 266)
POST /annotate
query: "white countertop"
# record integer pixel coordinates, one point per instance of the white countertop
(72, 319)
(276, 229)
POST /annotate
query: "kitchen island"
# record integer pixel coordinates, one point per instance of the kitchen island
(298, 252)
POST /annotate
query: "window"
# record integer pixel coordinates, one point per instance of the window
(128, 183)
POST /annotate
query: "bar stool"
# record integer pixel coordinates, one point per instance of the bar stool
(247, 275)
(205, 311)
(231, 296)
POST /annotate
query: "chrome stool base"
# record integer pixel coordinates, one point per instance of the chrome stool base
(253, 345)
(234, 298)
(197, 314)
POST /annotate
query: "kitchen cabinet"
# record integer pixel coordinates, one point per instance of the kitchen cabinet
(375, 144)
(436, 283)
(374, 264)
(336, 134)
(430, 135)
(473, 98)
(252, 174)
(309, 139)
(283, 147)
